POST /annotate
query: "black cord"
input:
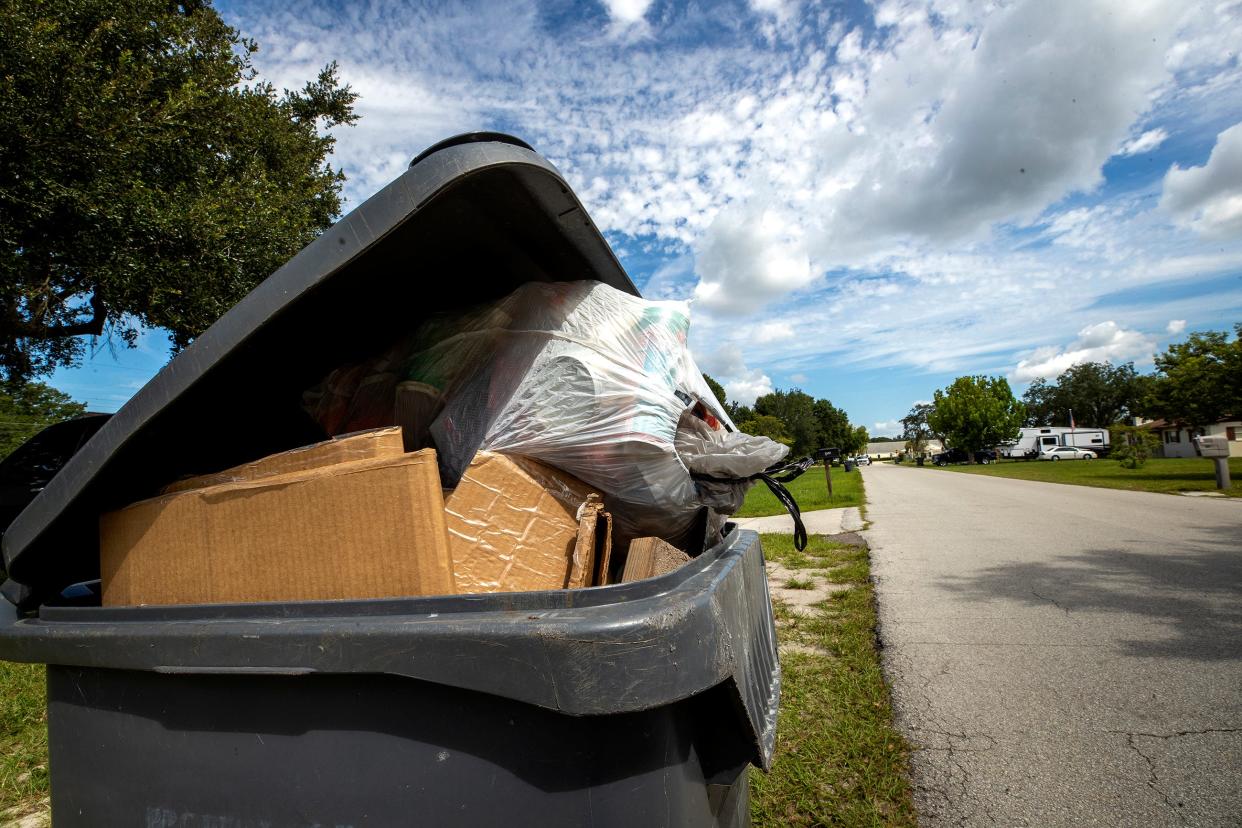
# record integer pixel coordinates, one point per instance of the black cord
(775, 476)
(787, 500)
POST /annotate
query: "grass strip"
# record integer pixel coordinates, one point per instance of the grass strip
(23, 738)
(810, 491)
(839, 759)
(1159, 474)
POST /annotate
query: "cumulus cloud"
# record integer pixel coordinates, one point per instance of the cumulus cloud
(1208, 199)
(1146, 142)
(1175, 326)
(628, 18)
(749, 387)
(741, 383)
(886, 428)
(1104, 342)
(627, 11)
(748, 257)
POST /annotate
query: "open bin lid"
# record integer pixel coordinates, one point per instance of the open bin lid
(470, 220)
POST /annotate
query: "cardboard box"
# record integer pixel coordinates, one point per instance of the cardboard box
(363, 445)
(360, 529)
(514, 526)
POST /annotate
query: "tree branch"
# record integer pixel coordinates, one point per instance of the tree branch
(93, 326)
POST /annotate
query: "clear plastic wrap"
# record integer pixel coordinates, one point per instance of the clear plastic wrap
(578, 375)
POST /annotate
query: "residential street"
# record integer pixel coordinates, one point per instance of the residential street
(1061, 655)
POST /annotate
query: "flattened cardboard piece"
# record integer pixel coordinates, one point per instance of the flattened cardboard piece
(594, 537)
(649, 557)
(513, 525)
(364, 445)
(361, 529)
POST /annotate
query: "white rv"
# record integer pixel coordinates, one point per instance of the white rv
(1033, 440)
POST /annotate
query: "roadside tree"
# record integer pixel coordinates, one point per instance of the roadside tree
(796, 409)
(976, 412)
(1198, 381)
(834, 426)
(915, 430)
(765, 425)
(858, 440)
(27, 408)
(1098, 393)
(718, 390)
(146, 179)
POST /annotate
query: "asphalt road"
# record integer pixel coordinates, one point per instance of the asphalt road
(1061, 655)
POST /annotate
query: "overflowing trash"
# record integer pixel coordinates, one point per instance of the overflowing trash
(565, 420)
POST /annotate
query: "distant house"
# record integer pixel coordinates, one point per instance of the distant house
(1176, 438)
(885, 450)
(889, 450)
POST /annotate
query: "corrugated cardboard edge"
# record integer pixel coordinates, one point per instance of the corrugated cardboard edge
(603, 533)
(594, 544)
(363, 445)
(649, 557)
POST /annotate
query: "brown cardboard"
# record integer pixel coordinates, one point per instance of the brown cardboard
(649, 557)
(361, 529)
(364, 445)
(594, 543)
(514, 525)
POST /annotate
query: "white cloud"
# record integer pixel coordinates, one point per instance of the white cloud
(748, 256)
(1175, 326)
(1208, 199)
(1104, 342)
(1146, 142)
(741, 383)
(799, 378)
(886, 428)
(749, 387)
(627, 12)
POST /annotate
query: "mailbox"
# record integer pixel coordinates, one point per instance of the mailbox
(1212, 446)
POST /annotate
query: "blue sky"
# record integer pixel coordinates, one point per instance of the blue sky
(864, 200)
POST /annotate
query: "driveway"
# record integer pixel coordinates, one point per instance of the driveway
(1061, 655)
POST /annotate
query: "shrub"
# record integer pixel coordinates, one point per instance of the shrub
(1132, 446)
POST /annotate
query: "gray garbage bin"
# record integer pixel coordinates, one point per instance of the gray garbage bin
(632, 704)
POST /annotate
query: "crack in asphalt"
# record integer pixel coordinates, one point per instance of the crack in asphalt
(1154, 778)
(1052, 601)
(1177, 733)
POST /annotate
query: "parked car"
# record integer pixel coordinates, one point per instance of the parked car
(957, 455)
(862, 460)
(1067, 453)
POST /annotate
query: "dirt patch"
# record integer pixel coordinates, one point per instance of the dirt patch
(812, 587)
(852, 538)
(34, 815)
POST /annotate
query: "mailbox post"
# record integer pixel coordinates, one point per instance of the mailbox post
(1217, 448)
(828, 455)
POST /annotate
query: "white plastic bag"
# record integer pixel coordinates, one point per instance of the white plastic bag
(593, 381)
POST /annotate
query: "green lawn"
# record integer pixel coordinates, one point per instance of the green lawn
(1158, 475)
(810, 491)
(23, 740)
(839, 760)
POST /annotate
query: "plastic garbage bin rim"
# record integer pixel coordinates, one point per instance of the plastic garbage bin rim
(714, 627)
(559, 603)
